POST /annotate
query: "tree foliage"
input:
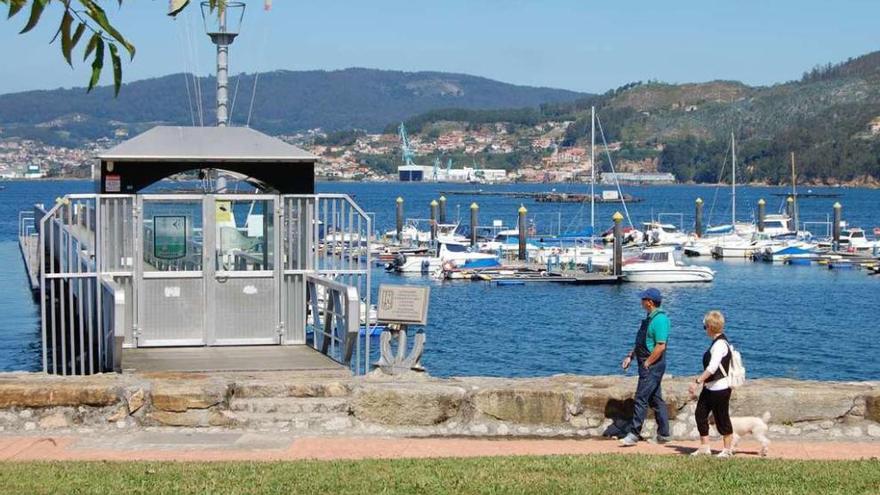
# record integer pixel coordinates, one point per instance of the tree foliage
(83, 20)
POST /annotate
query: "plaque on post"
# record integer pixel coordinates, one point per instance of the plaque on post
(399, 307)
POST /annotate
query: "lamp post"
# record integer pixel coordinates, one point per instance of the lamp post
(222, 24)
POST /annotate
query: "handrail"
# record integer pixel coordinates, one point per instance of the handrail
(341, 316)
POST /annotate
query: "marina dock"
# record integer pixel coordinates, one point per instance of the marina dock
(545, 197)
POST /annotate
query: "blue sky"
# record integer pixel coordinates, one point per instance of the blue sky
(579, 45)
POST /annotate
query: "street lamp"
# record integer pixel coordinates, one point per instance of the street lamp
(222, 24)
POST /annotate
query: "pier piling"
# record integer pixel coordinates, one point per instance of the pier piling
(789, 210)
(835, 228)
(442, 204)
(523, 231)
(762, 214)
(698, 217)
(618, 243)
(433, 220)
(475, 211)
(399, 220)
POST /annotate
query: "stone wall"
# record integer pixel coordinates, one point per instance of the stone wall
(560, 406)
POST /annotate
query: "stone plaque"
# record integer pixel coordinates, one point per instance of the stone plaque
(403, 304)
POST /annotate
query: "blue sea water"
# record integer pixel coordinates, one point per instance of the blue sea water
(789, 321)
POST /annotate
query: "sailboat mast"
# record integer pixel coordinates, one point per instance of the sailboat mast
(592, 171)
(733, 179)
(794, 212)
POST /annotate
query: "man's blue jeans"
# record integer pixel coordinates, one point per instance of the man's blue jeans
(648, 393)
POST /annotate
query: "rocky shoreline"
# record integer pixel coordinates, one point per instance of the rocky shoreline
(563, 406)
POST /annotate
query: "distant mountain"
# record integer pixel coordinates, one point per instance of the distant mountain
(285, 102)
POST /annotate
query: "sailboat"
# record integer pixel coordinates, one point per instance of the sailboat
(719, 234)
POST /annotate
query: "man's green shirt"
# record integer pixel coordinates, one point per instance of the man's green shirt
(658, 329)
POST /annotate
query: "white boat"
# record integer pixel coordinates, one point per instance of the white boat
(506, 241)
(740, 247)
(450, 255)
(663, 234)
(597, 257)
(658, 265)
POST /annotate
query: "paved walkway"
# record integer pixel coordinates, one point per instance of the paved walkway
(232, 446)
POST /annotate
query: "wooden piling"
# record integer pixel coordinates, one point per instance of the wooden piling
(618, 244)
(762, 214)
(442, 216)
(433, 220)
(698, 217)
(789, 211)
(523, 231)
(475, 210)
(399, 220)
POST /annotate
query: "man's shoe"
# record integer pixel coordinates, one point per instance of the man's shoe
(661, 439)
(629, 440)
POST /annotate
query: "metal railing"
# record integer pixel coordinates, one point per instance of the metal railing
(89, 245)
(333, 318)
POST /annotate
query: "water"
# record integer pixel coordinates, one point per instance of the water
(789, 321)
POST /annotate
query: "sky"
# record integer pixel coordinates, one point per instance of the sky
(582, 45)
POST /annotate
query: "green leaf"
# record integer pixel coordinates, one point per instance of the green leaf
(37, 8)
(66, 39)
(93, 43)
(77, 35)
(117, 69)
(97, 64)
(15, 6)
(97, 14)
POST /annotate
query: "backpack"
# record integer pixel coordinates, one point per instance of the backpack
(737, 376)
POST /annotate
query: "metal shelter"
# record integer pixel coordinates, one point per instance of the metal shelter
(127, 269)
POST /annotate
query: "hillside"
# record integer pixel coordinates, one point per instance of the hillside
(286, 102)
(830, 119)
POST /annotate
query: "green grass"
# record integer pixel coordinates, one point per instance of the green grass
(616, 474)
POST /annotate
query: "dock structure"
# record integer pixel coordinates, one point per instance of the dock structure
(128, 278)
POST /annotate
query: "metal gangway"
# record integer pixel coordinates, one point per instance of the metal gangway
(126, 271)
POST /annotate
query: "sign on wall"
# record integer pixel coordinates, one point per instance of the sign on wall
(169, 237)
(403, 304)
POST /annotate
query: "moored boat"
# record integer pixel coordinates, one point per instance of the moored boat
(658, 265)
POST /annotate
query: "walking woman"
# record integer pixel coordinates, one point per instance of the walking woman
(715, 393)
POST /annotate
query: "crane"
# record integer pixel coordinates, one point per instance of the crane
(404, 145)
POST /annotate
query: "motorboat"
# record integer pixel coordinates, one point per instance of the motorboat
(744, 248)
(506, 241)
(785, 254)
(658, 265)
(663, 234)
(712, 236)
(449, 255)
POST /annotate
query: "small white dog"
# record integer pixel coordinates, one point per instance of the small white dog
(752, 425)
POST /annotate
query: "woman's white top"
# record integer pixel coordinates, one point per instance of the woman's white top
(717, 352)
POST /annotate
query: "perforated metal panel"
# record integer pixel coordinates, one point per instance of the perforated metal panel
(173, 312)
(246, 311)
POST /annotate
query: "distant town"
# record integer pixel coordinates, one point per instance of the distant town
(454, 153)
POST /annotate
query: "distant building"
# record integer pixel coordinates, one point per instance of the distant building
(637, 178)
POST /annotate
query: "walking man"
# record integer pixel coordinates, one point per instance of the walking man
(649, 352)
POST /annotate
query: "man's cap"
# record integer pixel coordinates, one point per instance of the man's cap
(652, 294)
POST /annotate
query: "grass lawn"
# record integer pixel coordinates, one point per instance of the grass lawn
(615, 474)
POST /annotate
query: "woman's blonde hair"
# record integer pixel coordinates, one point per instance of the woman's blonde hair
(714, 322)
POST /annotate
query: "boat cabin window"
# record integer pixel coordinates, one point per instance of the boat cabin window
(857, 234)
(654, 257)
(456, 248)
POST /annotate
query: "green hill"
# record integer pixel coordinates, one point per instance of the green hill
(825, 118)
(285, 102)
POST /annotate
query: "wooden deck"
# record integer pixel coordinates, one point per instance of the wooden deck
(228, 358)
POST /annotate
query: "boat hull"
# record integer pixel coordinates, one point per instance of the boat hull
(669, 276)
